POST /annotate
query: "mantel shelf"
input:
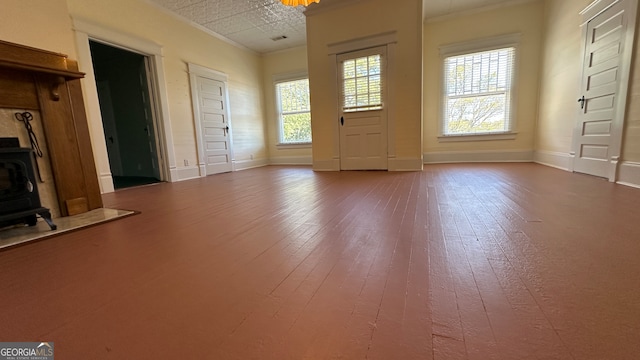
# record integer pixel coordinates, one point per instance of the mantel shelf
(67, 74)
(20, 57)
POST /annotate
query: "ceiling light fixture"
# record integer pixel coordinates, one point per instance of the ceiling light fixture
(299, 2)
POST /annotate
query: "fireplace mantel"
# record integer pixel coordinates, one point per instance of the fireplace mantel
(34, 79)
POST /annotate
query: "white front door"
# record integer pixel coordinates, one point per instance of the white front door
(598, 133)
(214, 125)
(363, 116)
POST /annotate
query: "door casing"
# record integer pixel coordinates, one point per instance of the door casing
(86, 31)
(363, 131)
(196, 72)
(595, 9)
(389, 40)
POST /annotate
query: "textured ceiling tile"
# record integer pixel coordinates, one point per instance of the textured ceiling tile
(178, 4)
(247, 36)
(229, 25)
(252, 22)
(201, 12)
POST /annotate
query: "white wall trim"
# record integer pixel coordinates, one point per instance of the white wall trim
(187, 173)
(326, 165)
(363, 43)
(479, 156)
(629, 174)
(85, 31)
(594, 9)
(558, 160)
(484, 44)
(474, 11)
(106, 183)
(291, 160)
(249, 164)
(206, 72)
(405, 164)
(290, 76)
(128, 42)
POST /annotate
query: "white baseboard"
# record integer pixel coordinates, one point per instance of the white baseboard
(291, 160)
(556, 160)
(326, 165)
(249, 164)
(405, 164)
(186, 173)
(629, 174)
(106, 183)
(478, 156)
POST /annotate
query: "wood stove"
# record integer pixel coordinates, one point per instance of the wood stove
(19, 198)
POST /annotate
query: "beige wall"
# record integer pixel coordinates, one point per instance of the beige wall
(181, 44)
(36, 23)
(358, 20)
(281, 63)
(560, 80)
(525, 19)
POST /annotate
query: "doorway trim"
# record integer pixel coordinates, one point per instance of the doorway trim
(201, 71)
(85, 31)
(388, 39)
(589, 13)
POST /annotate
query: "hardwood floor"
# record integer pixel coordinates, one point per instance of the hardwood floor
(507, 261)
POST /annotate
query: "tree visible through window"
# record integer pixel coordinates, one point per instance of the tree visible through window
(478, 92)
(294, 111)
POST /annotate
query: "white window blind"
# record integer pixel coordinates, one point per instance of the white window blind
(477, 92)
(294, 111)
(362, 83)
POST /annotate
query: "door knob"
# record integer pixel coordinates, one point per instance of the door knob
(342, 120)
(582, 100)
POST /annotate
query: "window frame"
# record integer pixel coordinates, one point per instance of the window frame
(472, 47)
(381, 52)
(284, 78)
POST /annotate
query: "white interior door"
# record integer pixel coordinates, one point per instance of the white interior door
(214, 125)
(363, 116)
(150, 127)
(598, 134)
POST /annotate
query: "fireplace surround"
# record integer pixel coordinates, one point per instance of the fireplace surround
(48, 82)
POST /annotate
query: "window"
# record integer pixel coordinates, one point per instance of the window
(294, 111)
(362, 83)
(477, 92)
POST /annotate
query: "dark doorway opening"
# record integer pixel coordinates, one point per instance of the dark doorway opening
(127, 115)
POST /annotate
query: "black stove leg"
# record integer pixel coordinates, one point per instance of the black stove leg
(46, 215)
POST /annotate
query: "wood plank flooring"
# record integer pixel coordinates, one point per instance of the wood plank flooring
(491, 261)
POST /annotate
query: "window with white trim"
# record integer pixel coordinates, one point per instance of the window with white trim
(478, 92)
(294, 111)
(362, 83)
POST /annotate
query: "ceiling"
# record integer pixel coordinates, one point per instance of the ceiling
(256, 24)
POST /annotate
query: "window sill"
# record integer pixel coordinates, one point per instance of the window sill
(478, 137)
(294, 146)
